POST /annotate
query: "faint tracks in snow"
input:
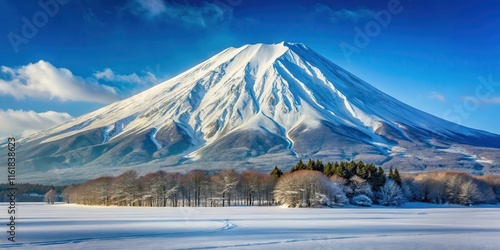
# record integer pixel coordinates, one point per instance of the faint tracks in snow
(327, 245)
(226, 225)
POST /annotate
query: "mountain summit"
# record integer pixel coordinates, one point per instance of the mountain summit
(253, 107)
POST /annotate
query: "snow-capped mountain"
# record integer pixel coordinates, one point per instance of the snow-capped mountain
(254, 107)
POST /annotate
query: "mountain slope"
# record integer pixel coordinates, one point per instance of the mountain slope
(253, 107)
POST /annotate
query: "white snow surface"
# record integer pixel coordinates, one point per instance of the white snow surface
(414, 226)
(276, 86)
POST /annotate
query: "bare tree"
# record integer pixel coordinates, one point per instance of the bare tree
(469, 193)
(406, 186)
(307, 188)
(125, 189)
(171, 187)
(453, 184)
(437, 182)
(390, 194)
(98, 190)
(160, 187)
(422, 186)
(265, 188)
(249, 186)
(151, 189)
(288, 189)
(224, 184)
(489, 188)
(338, 197)
(50, 197)
(341, 182)
(68, 194)
(194, 183)
(359, 185)
(494, 182)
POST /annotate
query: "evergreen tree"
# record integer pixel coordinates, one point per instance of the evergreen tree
(329, 169)
(351, 169)
(366, 171)
(311, 165)
(319, 166)
(397, 177)
(342, 170)
(377, 180)
(337, 170)
(299, 166)
(276, 172)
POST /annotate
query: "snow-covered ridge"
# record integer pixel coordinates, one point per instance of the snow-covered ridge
(459, 150)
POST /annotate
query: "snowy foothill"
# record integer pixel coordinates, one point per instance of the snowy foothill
(412, 226)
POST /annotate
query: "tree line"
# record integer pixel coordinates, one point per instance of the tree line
(308, 184)
(159, 189)
(451, 187)
(27, 192)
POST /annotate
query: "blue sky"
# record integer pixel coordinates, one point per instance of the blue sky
(61, 59)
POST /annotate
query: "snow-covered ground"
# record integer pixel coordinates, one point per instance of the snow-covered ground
(414, 226)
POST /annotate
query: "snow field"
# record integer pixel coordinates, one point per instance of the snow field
(415, 226)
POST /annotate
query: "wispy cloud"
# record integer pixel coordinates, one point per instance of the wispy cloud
(90, 18)
(436, 96)
(126, 85)
(44, 81)
(25, 122)
(492, 100)
(110, 76)
(335, 15)
(151, 8)
(201, 15)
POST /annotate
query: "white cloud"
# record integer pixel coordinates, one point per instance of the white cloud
(110, 76)
(19, 122)
(200, 15)
(354, 15)
(493, 100)
(44, 81)
(436, 96)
